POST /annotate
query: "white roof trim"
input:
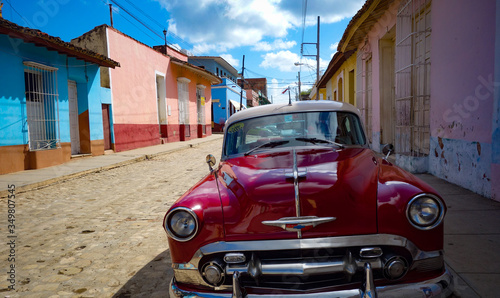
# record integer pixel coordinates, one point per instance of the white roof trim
(236, 104)
(183, 80)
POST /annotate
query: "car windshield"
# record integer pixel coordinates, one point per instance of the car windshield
(329, 128)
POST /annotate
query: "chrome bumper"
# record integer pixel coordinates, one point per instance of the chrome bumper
(441, 286)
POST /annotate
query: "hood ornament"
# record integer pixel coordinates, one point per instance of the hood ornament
(297, 224)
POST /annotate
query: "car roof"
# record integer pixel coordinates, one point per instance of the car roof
(294, 107)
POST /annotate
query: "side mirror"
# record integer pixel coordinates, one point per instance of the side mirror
(387, 150)
(211, 162)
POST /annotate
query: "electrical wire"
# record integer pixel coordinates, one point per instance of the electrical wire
(304, 14)
(24, 19)
(137, 19)
(177, 38)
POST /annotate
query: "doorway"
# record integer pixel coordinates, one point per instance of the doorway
(161, 100)
(387, 88)
(73, 117)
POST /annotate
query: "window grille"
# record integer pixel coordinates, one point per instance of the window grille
(200, 97)
(42, 106)
(413, 77)
(182, 87)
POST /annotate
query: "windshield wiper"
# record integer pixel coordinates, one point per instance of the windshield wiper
(271, 144)
(316, 141)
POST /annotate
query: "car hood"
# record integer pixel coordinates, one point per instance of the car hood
(337, 186)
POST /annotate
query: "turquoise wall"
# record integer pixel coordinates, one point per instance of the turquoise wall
(224, 95)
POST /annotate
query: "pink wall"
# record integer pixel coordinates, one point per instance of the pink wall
(462, 94)
(134, 82)
(133, 85)
(463, 43)
(379, 29)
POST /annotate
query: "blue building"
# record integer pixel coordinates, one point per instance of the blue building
(225, 102)
(52, 104)
(225, 96)
(216, 65)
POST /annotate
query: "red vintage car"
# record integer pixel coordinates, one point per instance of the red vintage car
(299, 205)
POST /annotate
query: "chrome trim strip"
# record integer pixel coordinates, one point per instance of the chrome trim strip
(298, 223)
(309, 243)
(441, 286)
(304, 268)
(296, 188)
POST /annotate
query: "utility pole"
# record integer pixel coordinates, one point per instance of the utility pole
(317, 53)
(299, 87)
(317, 57)
(242, 83)
(165, 36)
(111, 14)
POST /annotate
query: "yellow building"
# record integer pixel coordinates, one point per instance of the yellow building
(339, 81)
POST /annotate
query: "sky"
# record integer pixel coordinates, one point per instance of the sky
(269, 33)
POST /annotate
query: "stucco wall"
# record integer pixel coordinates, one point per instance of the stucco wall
(135, 108)
(14, 131)
(462, 92)
(495, 166)
(377, 32)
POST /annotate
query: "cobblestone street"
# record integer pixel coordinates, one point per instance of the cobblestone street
(100, 235)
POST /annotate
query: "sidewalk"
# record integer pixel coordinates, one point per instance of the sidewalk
(29, 179)
(472, 223)
(471, 239)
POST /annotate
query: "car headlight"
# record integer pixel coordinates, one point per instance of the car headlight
(181, 224)
(425, 211)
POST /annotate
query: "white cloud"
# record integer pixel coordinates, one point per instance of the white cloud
(278, 44)
(275, 91)
(226, 23)
(330, 11)
(233, 61)
(285, 61)
(282, 60)
(334, 46)
(232, 23)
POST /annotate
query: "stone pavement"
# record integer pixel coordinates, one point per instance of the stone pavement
(99, 246)
(85, 165)
(471, 239)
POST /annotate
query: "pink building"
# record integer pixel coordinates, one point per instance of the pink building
(427, 80)
(156, 97)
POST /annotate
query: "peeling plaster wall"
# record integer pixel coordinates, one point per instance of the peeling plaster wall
(462, 94)
(495, 155)
(464, 163)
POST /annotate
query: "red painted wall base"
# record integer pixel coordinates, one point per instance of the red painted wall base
(132, 136)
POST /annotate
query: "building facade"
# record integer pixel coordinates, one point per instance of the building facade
(226, 98)
(427, 81)
(157, 95)
(216, 65)
(52, 105)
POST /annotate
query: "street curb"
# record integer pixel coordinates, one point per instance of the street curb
(52, 181)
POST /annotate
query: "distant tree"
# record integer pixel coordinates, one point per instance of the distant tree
(304, 95)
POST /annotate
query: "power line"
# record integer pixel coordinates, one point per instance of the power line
(304, 14)
(137, 27)
(147, 15)
(137, 19)
(24, 19)
(162, 26)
